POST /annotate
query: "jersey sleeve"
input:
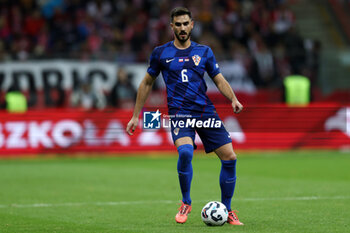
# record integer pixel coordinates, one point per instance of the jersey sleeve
(154, 64)
(211, 65)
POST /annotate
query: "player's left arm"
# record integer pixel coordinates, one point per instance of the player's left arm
(225, 89)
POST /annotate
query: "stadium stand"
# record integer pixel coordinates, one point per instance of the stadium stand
(250, 32)
(258, 37)
(67, 56)
(341, 11)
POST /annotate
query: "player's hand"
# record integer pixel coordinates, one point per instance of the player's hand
(237, 106)
(130, 128)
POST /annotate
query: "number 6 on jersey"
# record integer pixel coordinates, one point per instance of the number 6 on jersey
(184, 77)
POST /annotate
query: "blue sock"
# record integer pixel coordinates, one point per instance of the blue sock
(227, 181)
(184, 169)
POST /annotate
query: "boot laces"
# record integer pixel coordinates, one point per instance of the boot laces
(183, 208)
(233, 214)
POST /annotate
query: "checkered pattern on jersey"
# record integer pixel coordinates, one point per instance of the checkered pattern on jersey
(183, 72)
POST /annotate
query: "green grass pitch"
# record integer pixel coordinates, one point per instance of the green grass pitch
(299, 191)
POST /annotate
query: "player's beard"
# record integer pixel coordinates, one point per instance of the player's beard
(183, 40)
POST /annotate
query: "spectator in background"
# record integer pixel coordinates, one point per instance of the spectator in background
(283, 19)
(282, 63)
(87, 97)
(123, 93)
(263, 70)
(4, 56)
(33, 24)
(15, 100)
(125, 31)
(297, 90)
(295, 49)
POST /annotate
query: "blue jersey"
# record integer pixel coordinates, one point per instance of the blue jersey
(183, 73)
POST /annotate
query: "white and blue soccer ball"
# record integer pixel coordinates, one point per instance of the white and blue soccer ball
(214, 213)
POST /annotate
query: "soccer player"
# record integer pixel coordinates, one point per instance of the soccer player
(183, 63)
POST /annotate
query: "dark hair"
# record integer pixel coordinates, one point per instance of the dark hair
(179, 11)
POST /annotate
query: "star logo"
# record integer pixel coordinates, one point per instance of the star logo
(151, 120)
(155, 115)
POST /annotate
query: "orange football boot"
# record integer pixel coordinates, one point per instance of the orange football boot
(184, 210)
(233, 219)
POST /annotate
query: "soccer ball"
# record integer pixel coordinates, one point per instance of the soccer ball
(214, 214)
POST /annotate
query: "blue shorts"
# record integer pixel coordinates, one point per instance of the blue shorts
(213, 136)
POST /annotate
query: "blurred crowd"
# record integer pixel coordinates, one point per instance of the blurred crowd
(258, 34)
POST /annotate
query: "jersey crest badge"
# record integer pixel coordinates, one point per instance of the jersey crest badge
(196, 59)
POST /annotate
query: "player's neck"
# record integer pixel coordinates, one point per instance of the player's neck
(180, 45)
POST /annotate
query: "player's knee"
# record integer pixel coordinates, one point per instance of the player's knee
(185, 155)
(230, 156)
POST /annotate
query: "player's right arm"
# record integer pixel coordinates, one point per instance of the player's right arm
(142, 94)
(144, 89)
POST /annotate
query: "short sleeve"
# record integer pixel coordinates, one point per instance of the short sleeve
(154, 65)
(211, 65)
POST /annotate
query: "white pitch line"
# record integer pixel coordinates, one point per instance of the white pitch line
(115, 203)
(111, 203)
(310, 198)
